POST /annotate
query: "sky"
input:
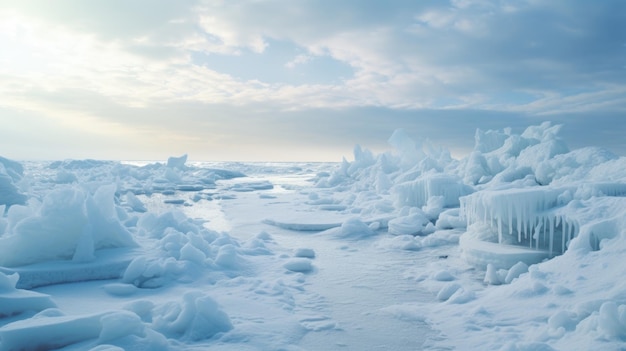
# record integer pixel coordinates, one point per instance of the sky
(302, 80)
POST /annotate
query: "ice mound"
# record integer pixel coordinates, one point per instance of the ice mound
(51, 332)
(299, 264)
(177, 162)
(198, 317)
(414, 223)
(173, 176)
(111, 330)
(14, 301)
(181, 248)
(11, 172)
(70, 223)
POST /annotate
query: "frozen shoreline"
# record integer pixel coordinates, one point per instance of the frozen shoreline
(516, 247)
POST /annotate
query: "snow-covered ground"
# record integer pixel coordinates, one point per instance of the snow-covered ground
(519, 246)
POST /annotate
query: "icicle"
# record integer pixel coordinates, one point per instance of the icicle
(530, 226)
(484, 211)
(499, 230)
(563, 235)
(518, 216)
(537, 233)
(543, 222)
(527, 219)
(523, 224)
(510, 208)
(551, 235)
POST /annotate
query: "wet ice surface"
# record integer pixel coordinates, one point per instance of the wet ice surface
(355, 286)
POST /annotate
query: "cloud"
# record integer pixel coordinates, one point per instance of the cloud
(262, 70)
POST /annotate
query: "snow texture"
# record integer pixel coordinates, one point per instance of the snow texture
(517, 246)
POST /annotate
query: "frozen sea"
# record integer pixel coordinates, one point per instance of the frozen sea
(518, 246)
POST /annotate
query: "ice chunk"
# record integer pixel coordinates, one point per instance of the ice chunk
(443, 276)
(461, 296)
(563, 319)
(120, 324)
(476, 169)
(177, 162)
(14, 301)
(299, 264)
(309, 225)
(8, 281)
(252, 186)
(434, 206)
(51, 332)
(198, 317)
(518, 269)
(355, 228)
(227, 256)
(406, 148)
(304, 252)
(447, 291)
(480, 253)
(10, 173)
(490, 140)
(108, 264)
(134, 203)
(60, 225)
(491, 275)
(612, 320)
(13, 169)
(190, 253)
(417, 193)
(450, 219)
(412, 224)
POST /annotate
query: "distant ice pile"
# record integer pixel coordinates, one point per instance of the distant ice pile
(520, 196)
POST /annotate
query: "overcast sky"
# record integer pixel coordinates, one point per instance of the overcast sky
(292, 80)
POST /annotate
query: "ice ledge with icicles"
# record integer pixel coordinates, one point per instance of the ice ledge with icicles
(534, 219)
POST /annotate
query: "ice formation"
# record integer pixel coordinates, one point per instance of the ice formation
(418, 192)
(10, 173)
(545, 225)
(14, 301)
(70, 223)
